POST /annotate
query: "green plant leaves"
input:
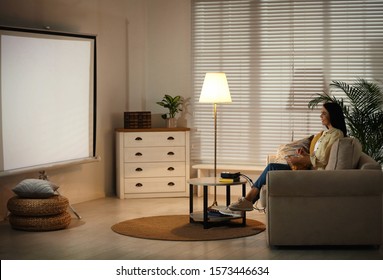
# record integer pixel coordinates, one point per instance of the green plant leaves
(173, 104)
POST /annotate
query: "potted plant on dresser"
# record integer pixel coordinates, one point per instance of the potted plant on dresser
(174, 105)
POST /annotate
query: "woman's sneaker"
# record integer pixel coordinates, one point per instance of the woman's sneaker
(241, 205)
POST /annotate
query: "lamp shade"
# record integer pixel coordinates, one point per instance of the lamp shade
(215, 89)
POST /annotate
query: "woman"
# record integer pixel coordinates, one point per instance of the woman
(333, 119)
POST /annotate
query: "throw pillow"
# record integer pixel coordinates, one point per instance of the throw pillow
(35, 188)
(344, 154)
(290, 149)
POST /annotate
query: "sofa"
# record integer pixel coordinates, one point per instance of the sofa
(341, 205)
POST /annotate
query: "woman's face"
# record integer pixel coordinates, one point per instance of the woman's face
(325, 117)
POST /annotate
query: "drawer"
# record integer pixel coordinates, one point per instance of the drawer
(146, 154)
(159, 169)
(156, 139)
(155, 185)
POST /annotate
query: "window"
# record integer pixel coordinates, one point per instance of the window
(277, 55)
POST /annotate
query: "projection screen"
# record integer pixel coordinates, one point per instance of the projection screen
(47, 99)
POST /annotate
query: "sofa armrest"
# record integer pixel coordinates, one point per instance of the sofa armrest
(325, 182)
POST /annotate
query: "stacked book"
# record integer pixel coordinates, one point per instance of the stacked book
(228, 180)
(137, 119)
(223, 211)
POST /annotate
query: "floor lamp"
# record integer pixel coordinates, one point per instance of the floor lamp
(215, 89)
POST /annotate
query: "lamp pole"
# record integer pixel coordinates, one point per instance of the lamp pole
(215, 152)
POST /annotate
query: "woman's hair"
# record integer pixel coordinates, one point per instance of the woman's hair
(336, 116)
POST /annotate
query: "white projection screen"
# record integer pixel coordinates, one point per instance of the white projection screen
(47, 99)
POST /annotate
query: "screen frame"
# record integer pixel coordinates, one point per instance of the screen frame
(92, 94)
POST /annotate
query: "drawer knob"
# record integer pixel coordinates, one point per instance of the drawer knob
(170, 138)
(171, 168)
(171, 184)
(138, 154)
(171, 154)
(138, 169)
(138, 139)
(139, 185)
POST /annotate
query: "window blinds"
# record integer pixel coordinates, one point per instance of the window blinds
(277, 55)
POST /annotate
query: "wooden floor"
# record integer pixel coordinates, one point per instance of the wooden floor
(92, 239)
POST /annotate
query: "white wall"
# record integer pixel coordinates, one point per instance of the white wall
(159, 54)
(143, 52)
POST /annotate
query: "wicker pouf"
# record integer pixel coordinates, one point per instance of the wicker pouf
(38, 206)
(39, 214)
(40, 223)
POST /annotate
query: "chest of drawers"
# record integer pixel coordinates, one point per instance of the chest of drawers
(152, 162)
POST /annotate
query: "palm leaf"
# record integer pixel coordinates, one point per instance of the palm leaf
(363, 95)
(320, 98)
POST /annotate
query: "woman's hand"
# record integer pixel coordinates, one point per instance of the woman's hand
(301, 158)
(294, 159)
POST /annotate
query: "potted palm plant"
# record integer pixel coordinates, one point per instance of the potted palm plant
(363, 111)
(174, 105)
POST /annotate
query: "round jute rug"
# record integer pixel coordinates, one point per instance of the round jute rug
(178, 228)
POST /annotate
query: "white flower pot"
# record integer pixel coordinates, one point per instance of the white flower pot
(171, 122)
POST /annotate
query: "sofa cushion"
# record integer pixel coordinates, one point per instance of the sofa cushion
(344, 154)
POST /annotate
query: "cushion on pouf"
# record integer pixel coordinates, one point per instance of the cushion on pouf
(40, 223)
(35, 188)
(345, 154)
(37, 206)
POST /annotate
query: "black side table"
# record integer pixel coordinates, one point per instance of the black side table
(213, 181)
